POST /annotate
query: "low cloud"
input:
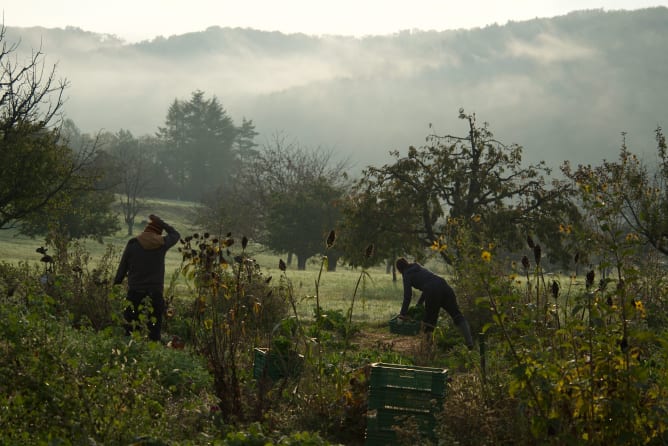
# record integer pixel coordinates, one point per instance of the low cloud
(549, 49)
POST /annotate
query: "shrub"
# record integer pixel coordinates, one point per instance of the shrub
(82, 290)
(234, 309)
(68, 386)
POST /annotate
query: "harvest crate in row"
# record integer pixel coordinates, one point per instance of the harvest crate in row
(403, 397)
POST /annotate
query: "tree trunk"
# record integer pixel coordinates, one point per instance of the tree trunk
(301, 263)
(332, 260)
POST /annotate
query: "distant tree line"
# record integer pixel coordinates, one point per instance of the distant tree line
(57, 181)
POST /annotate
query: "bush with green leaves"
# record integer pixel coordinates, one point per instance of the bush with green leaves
(79, 386)
(18, 281)
(328, 322)
(254, 436)
(583, 365)
(573, 358)
(81, 288)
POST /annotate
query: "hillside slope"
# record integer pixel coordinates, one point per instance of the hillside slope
(565, 88)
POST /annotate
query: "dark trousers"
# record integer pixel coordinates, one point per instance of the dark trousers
(437, 297)
(152, 300)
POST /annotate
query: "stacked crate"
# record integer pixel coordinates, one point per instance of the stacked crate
(399, 394)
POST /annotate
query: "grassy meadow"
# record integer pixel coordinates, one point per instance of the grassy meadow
(377, 299)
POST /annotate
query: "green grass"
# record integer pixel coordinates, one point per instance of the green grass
(376, 301)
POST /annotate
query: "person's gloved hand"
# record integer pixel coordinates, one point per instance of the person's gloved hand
(157, 220)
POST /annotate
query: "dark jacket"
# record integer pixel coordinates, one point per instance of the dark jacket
(417, 276)
(143, 260)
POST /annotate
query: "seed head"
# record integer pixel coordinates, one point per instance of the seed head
(331, 238)
(590, 279)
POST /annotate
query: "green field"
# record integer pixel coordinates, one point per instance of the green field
(378, 298)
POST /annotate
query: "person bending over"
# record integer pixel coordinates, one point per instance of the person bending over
(436, 294)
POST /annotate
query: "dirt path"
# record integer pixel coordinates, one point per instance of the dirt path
(383, 340)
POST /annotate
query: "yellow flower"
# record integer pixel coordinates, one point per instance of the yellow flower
(439, 245)
(631, 237)
(486, 256)
(208, 323)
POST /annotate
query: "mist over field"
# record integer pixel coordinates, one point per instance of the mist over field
(564, 88)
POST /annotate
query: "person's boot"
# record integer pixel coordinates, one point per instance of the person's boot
(463, 326)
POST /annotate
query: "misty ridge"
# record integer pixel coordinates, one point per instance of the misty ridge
(564, 88)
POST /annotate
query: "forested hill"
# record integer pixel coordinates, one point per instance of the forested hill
(565, 88)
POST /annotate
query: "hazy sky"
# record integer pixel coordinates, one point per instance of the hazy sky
(135, 20)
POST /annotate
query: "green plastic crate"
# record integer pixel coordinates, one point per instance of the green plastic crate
(274, 366)
(416, 400)
(426, 379)
(399, 392)
(404, 327)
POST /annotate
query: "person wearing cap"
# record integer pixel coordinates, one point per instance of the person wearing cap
(143, 263)
(436, 294)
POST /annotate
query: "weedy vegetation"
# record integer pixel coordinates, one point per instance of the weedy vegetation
(257, 353)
